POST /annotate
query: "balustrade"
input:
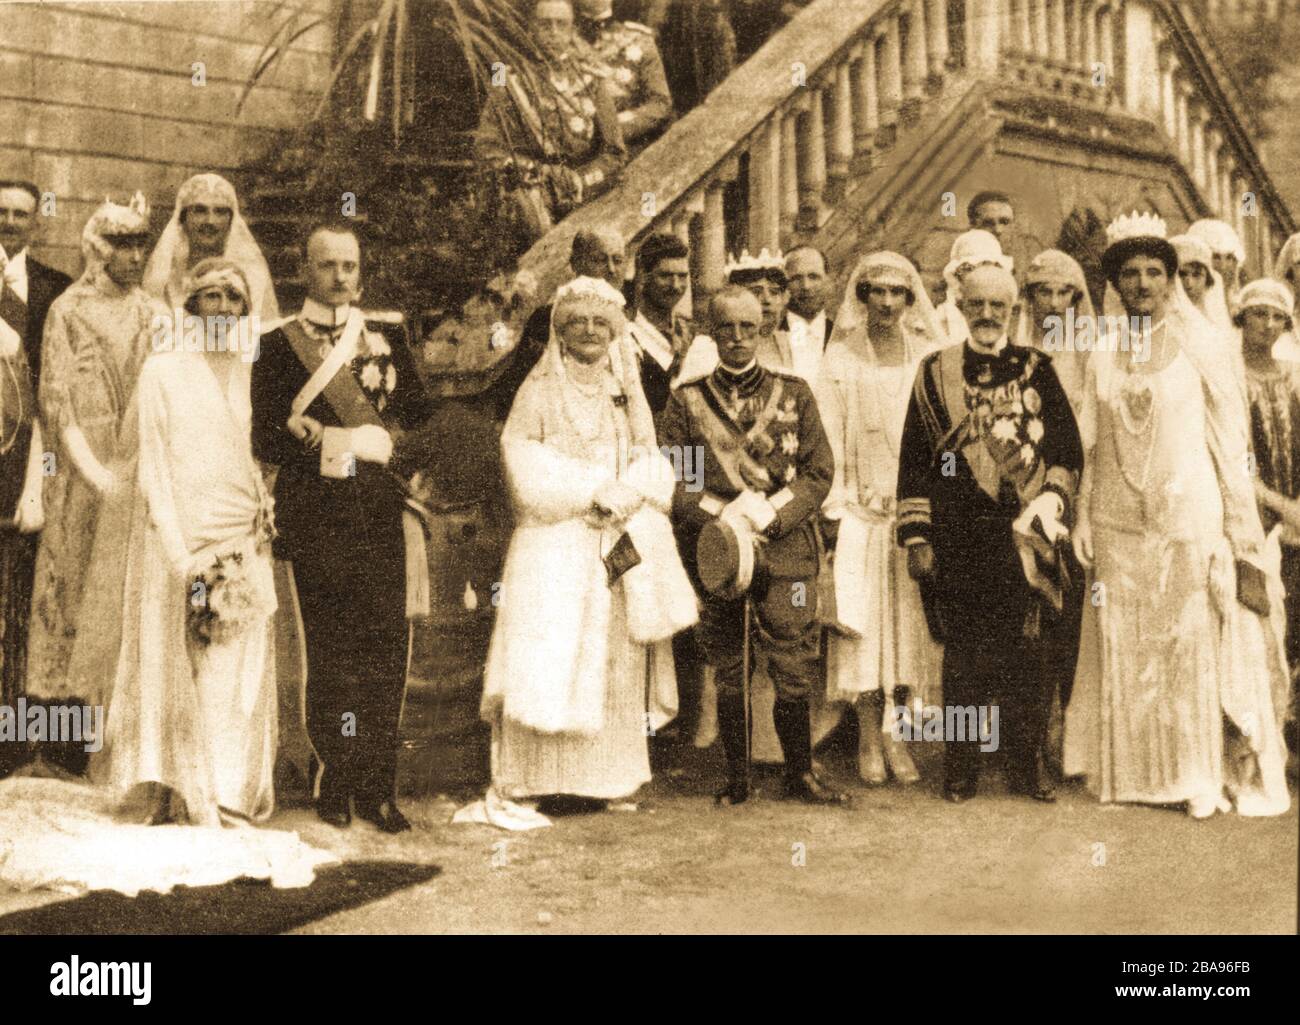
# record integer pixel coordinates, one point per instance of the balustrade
(867, 70)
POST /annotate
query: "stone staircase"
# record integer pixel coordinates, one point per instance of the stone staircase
(870, 123)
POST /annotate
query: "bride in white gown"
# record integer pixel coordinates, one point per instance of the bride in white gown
(182, 628)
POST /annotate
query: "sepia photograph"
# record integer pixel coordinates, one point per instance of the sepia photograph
(651, 467)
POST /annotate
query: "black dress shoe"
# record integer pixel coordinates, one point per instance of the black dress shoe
(807, 788)
(334, 811)
(735, 792)
(385, 816)
(1042, 790)
(957, 795)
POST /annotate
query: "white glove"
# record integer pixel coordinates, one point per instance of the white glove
(372, 443)
(1048, 507)
(761, 512)
(750, 508)
(342, 447)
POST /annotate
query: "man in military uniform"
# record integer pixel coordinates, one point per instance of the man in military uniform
(637, 83)
(336, 401)
(987, 472)
(767, 467)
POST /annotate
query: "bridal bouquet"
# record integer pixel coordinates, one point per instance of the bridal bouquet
(233, 594)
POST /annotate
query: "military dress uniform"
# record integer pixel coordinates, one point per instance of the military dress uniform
(763, 427)
(344, 534)
(636, 80)
(986, 434)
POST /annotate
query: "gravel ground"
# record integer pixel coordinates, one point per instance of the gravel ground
(899, 861)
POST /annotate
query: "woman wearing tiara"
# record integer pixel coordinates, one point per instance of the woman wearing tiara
(880, 648)
(1176, 704)
(580, 667)
(180, 632)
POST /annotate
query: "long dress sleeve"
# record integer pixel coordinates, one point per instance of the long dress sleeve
(57, 361)
(830, 403)
(155, 477)
(546, 485)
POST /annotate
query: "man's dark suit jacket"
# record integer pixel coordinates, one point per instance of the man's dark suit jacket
(44, 285)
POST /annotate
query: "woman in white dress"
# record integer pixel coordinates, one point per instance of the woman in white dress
(880, 645)
(1174, 705)
(194, 700)
(180, 626)
(580, 666)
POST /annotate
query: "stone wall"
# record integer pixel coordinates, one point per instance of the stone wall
(103, 98)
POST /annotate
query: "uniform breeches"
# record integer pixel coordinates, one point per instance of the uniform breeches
(784, 629)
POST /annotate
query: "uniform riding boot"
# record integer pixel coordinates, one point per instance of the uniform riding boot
(795, 733)
(731, 726)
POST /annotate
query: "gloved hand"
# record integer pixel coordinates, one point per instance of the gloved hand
(920, 560)
(1049, 507)
(372, 443)
(761, 512)
(751, 510)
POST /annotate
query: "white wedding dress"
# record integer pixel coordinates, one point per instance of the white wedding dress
(198, 719)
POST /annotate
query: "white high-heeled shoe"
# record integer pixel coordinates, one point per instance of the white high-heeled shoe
(1202, 806)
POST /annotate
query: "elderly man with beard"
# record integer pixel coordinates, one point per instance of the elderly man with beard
(987, 472)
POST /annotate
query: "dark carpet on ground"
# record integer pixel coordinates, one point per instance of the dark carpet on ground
(243, 907)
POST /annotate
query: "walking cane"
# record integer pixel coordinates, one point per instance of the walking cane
(748, 692)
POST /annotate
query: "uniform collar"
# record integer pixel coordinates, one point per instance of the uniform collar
(327, 318)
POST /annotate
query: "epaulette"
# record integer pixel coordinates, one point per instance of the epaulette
(383, 316)
(787, 375)
(636, 26)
